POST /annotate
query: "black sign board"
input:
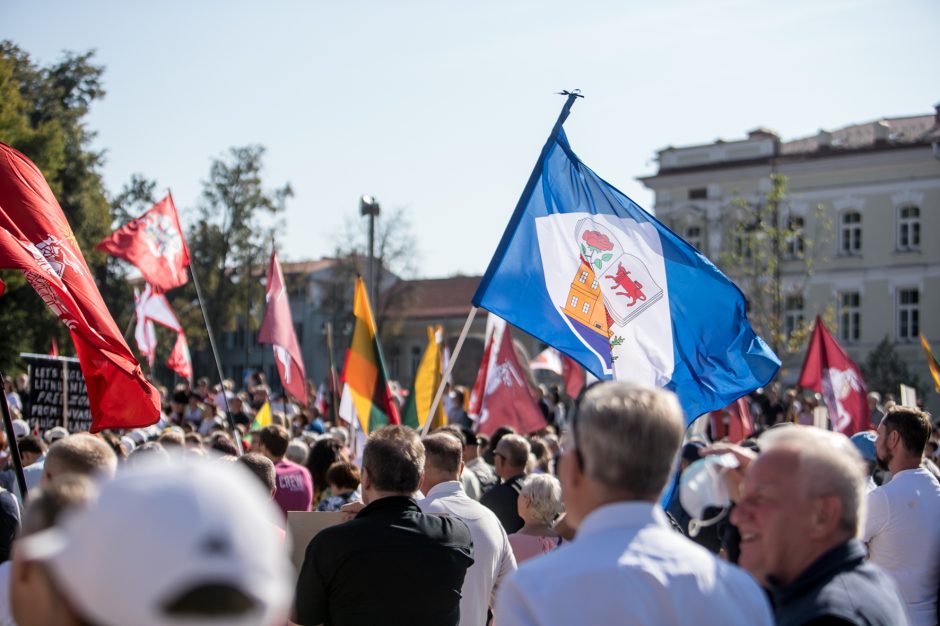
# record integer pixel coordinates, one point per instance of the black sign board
(57, 393)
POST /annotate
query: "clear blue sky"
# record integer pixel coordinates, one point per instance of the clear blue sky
(442, 107)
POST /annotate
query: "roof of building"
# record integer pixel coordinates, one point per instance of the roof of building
(432, 297)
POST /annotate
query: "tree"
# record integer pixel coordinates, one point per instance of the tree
(42, 114)
(885, 371)
(770, 256)
(229, 241)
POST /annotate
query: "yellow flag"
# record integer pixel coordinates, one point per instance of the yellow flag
(427, 380)
(263, 416)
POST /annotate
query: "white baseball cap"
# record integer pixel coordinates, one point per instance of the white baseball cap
(54, 434)
(20, 428)
(162, 529)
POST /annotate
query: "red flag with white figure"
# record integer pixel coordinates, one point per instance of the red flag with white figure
(154, 243)
(829, 370)
(734, 421)
(54, 348)
(277, 329)
(180, 360)
(151, 307)
(36, 238)
(573, 376)
(507, 398)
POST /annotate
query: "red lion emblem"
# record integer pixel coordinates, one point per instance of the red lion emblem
(631, 288)
(597, 240)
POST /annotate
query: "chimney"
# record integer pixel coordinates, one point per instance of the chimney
(882, 132)
(824, 139)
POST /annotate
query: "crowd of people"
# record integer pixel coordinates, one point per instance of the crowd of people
(185, 522)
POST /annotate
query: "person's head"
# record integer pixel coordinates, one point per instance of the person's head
(172, 438)
(343, 477)
(273, 442)
(511, 455)
(181, 543)
(263, 468)
(297, 452)
(81, 453)
(804, 495)
(223, 443)
(392, 463)
(902, 436)
(31, 592)
(471, 446)
(31, 448)
(539, 501)
(622, 443)
(443, 459)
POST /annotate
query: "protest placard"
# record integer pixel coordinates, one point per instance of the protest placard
(57, 393)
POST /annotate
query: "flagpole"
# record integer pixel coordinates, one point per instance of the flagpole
(332, 384)
(218, 361)
(450, 368)
(14, 445)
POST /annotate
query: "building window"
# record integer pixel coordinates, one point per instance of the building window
(415, 359)
(742, 245)
(909, 228)
(793, 314)
(850, 316)
(394, 363)
(908, 314)
(693, 234)
(794, 238)
(698, 193)
(586, 307)
(594, 284)
(850, 233)
(583, 277)
(574, 300)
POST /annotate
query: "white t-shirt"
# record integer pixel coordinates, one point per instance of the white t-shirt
(902, 530)
(6, 612)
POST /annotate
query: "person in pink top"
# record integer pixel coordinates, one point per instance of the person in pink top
(294, 485)
(539, 505)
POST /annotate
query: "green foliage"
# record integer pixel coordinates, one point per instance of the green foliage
(42, 114)
(885, 371)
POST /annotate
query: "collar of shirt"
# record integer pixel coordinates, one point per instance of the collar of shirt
(843, 556)
(389, 506)
(635, 514)
(442, 490)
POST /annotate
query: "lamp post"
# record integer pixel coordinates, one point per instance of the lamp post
(370, 206)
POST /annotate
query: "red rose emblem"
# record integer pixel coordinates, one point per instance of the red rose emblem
(597, 240)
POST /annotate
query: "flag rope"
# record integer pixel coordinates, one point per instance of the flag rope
(450, 368)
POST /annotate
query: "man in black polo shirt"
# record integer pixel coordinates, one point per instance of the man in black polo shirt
(510, 457)
(392, 564)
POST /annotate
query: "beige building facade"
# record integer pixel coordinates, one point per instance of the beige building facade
(876, 265)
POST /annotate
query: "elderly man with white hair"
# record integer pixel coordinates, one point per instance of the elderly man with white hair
(626, 564)
(799, 511)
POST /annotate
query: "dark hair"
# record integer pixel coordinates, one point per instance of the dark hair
(221, 442)
(343, 474)
(262, 467)
(324, 453)
(275, 439)
(31, 443)
(444, 451)
(172, 438)
(394, 459)
(913, 425)
(452, 429)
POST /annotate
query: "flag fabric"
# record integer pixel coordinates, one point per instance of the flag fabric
(740, 422)
(366, 383)
(54, 348)
(427, 380)
(495, 326)
(180, 360)
(572, 374)
(584, 269)
(507, 398)
(154, 243)
(931, 362)
(549, 360)
(262, 417)
(277, 329)
(829, 370)
(36, 238)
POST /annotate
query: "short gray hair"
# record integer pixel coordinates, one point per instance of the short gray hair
(297, 451)
(543, 491)
(827, 464)
(628, 436)
(518, 449)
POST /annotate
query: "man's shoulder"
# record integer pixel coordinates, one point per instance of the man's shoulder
(863, 589)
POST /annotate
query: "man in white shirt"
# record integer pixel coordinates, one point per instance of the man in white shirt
(492, 555)
(901, 528)
(626, 565)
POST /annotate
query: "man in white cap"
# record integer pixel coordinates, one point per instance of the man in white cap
(164, 544)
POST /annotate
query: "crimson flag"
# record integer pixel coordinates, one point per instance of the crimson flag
(36, 238)
(180, 361)
(277, 328)
(828, 369)
(54, 348)
(740, 424)
(154, 243)
(573, 376)
(506, 398)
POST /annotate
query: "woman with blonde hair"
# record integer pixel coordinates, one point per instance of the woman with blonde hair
(539, 505)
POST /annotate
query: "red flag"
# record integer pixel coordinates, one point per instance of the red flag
(507, 397)
(828, 369)
(36, 238)
(573, 375)
(153, 242)
(54, 348)
(180, 361)
(740, 423)
(277, 328)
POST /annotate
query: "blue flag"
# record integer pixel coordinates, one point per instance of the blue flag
(586, 270)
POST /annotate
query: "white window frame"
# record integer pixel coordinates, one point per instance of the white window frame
(696, 238)
(795, 243)
(850, 233)
(585, 307)
(793, 315)
(908, 314)
(850, 317)
(574, 300)
(909, 228)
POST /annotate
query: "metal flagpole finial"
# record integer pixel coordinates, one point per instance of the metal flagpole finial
(574, 92)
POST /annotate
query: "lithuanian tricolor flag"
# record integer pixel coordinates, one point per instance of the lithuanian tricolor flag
(364, 372)
(427, 380)
(931, 362)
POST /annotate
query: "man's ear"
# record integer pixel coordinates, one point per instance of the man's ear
(826, 516)
(365, 479)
